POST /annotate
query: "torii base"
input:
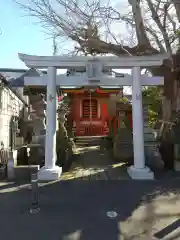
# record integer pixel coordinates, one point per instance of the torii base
(140, 173)
(49, 174)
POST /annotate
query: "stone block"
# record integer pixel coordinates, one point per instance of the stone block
(123, 146)
(22, 156)
(2, 171)
(46, 174)
(11, 165)
(24, 172)
(36, 154)
(140, 173)
(177, 166)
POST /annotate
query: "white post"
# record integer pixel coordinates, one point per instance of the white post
(50, 150)
(99, 110)
(137, 110)
(138, 171)
(50, 171)
(80, 109)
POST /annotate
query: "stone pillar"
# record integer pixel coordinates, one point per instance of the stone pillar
(37, 127)
(38, 116)
(50, 171)
(138, 170)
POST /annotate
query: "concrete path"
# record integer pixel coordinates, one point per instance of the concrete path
(77, 210)
(95, 164)
(92, 210)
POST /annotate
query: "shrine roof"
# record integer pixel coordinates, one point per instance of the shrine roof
(15, 79)
(16, 76)
(17, 92)
(11, 73)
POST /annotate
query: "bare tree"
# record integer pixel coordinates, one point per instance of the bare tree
(151, 27)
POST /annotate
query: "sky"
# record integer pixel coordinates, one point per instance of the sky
(21, 34)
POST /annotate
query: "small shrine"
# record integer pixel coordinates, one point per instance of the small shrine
(93, 110)
(89, 111)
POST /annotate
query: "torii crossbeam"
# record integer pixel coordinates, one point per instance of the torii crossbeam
(79, 81)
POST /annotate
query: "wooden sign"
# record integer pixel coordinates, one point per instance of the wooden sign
(120, 106)
(121, 114)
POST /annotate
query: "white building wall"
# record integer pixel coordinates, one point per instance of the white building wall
(10, 105)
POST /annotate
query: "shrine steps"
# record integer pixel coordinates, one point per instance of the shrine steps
(88, 141)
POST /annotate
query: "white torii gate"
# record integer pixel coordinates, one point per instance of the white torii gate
(95, 77)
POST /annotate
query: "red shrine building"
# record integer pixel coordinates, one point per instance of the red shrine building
(89, 111)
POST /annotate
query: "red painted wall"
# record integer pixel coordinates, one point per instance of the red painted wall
(97, 126)
(83, 125)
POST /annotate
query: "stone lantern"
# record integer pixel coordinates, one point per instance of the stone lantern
(62, 112)
(38, 123)
(39, 118)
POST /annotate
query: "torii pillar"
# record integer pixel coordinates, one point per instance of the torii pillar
(138, 170)
(50, 171)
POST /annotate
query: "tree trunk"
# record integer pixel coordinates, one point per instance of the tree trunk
(171, 73)
(140, 29)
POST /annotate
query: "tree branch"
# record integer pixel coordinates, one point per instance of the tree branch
(140, 29)
(160, 26)
(155, 36)
(177, 7)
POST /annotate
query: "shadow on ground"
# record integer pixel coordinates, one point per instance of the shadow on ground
(93, 164)
(77, 210)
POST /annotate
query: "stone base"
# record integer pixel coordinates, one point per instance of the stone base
(177, 166)
(47, 174)
(11, 164)
(140, 174)
(23, 172)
